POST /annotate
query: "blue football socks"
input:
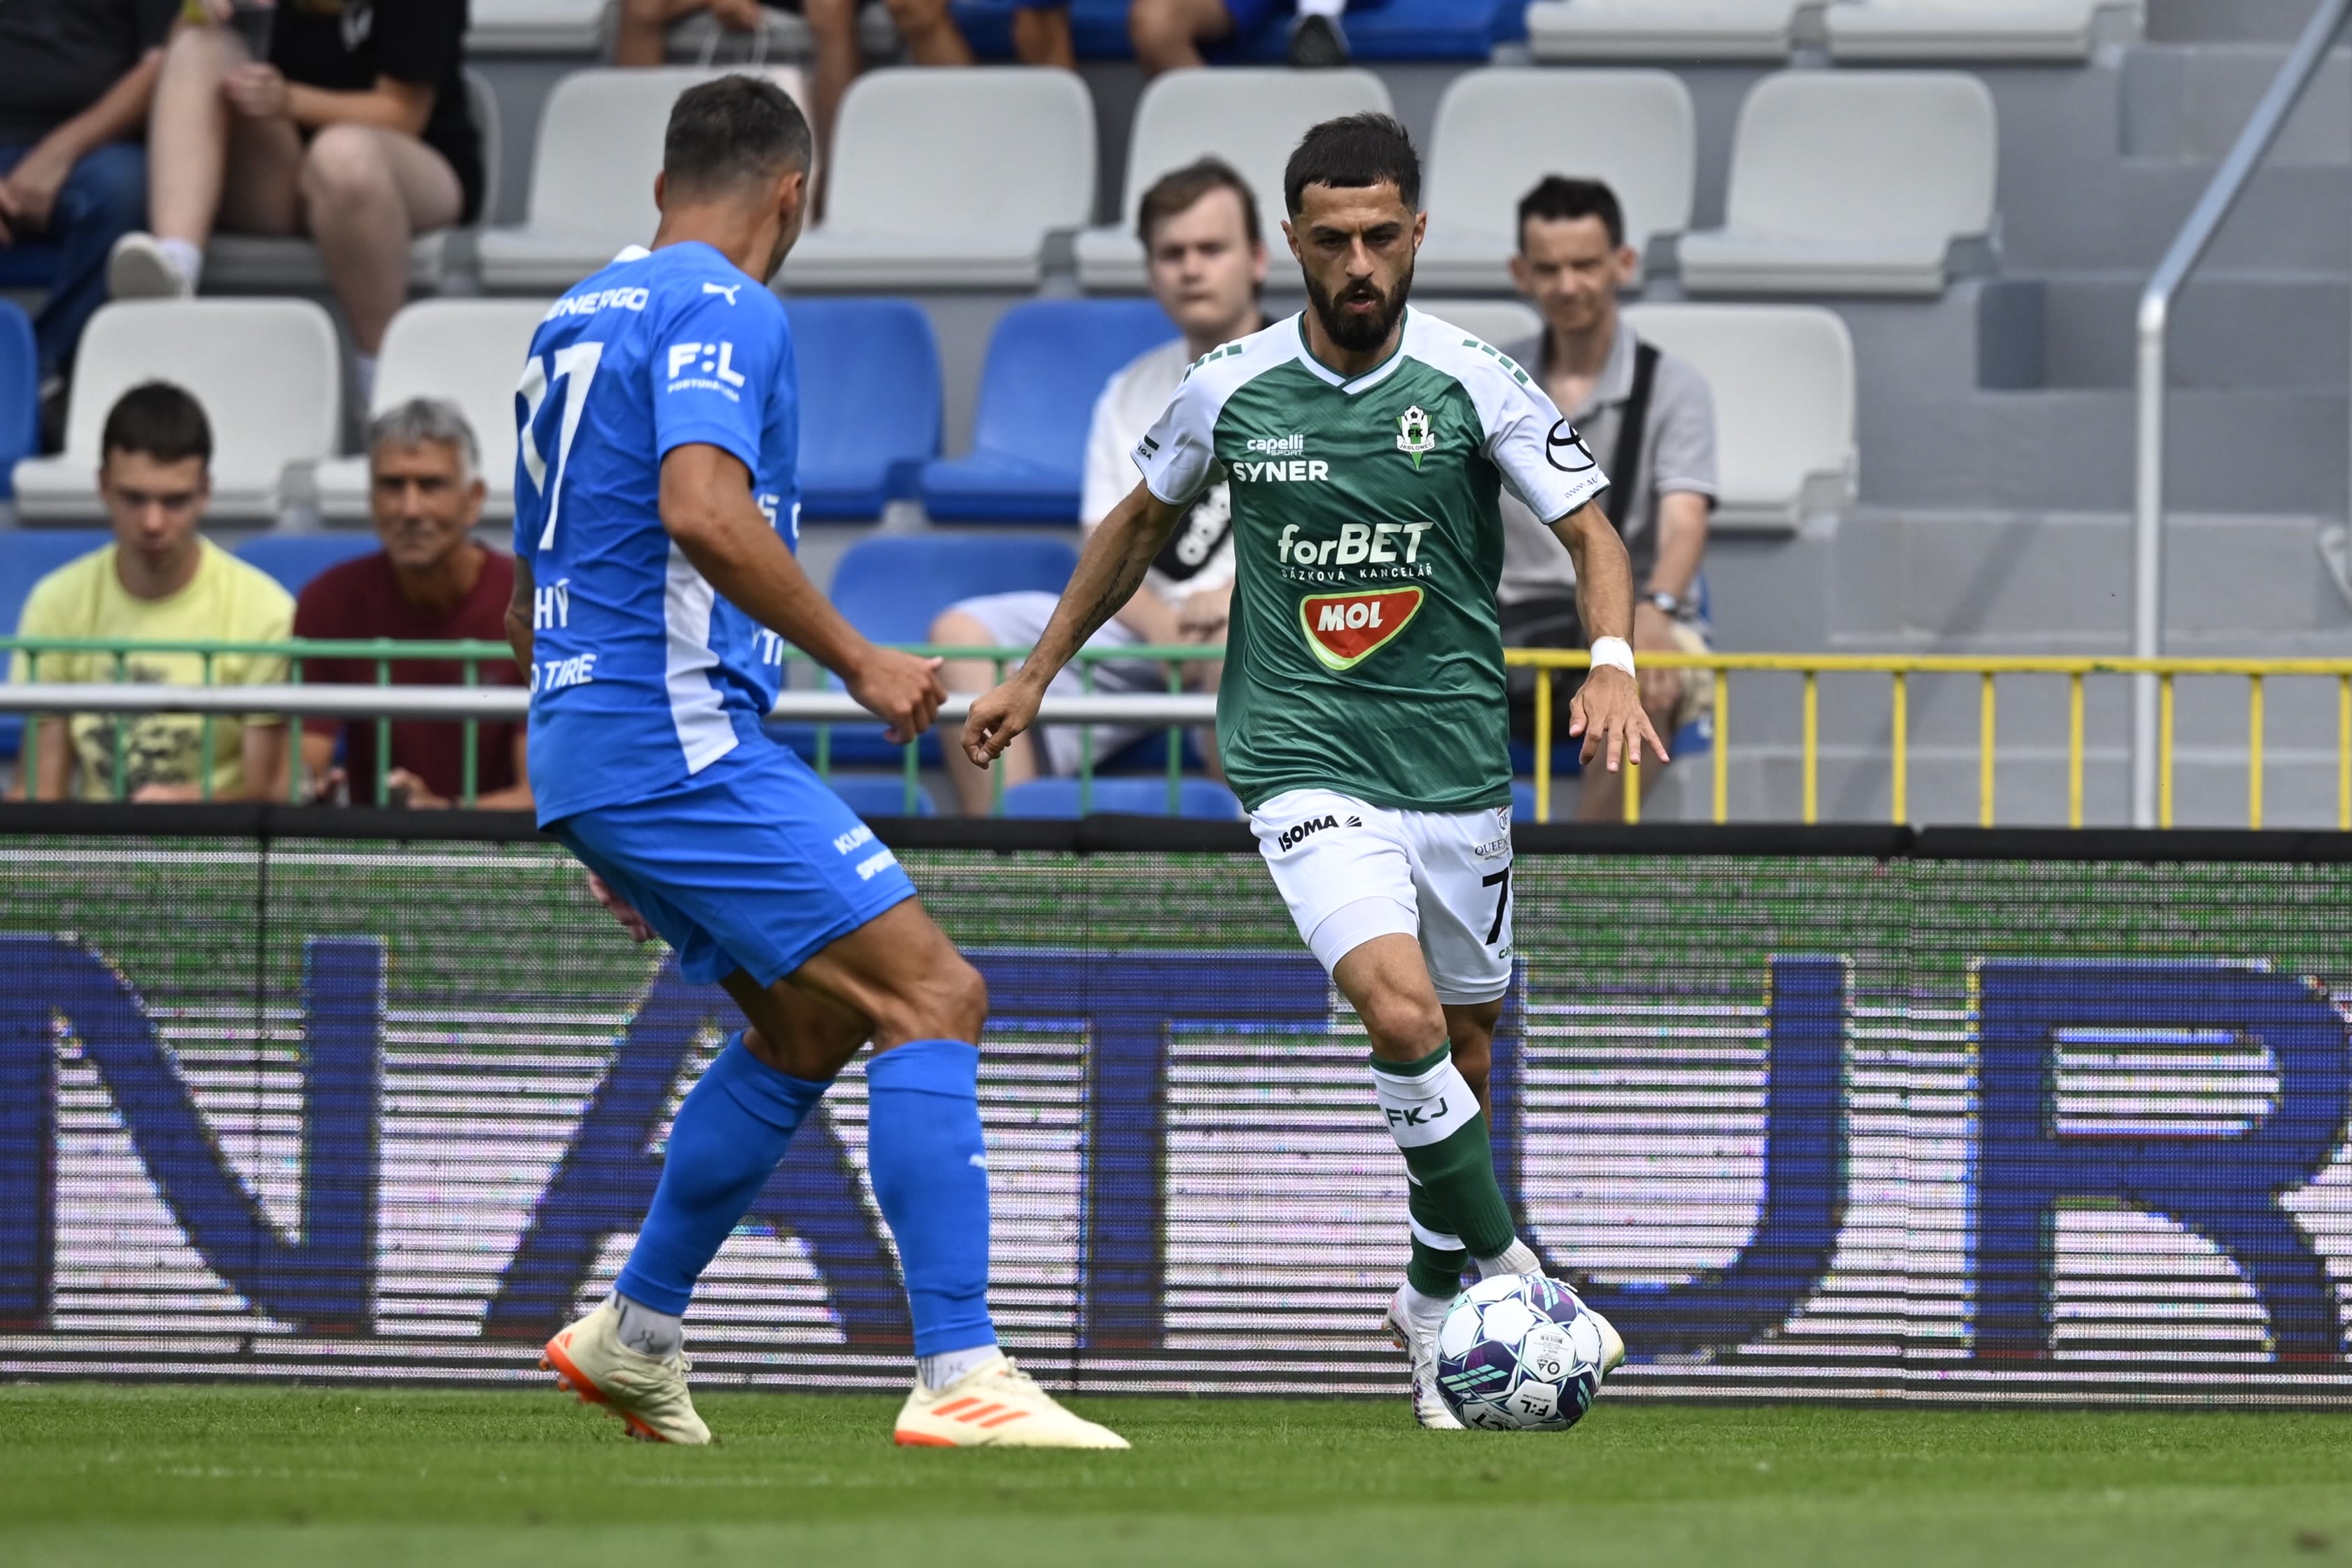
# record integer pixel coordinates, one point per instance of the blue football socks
(929, 1168)
(726, 1138)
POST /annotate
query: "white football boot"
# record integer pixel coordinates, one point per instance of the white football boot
(1429, 1406)
(646, 1393)
(1612, 1343)
(996, 1405)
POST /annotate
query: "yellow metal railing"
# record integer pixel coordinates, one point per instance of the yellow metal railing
(1900, 668)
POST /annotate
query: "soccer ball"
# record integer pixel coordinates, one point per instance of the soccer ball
(1518, 1354)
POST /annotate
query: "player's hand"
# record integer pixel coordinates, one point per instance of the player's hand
(1607, 712)
(899, 688)
(996, 718)
(631, 921)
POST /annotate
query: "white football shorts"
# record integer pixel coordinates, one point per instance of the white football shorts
(1351, 872)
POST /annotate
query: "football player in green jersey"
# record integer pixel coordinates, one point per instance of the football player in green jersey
(1362, 715)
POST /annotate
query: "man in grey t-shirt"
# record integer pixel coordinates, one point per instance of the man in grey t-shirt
(1572, 261)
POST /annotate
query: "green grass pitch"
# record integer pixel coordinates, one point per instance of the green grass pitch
(355, 1478)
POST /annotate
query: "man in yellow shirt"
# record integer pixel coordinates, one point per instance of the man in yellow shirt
(160, 581)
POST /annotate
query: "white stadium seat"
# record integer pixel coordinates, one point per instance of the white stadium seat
(467, 351)
(537, 26)
(1784, 405)
(268, 372)
(920, 196)
(1814, 207)
(1501, 323)
(1500, 132)
(1251, 117)
(255, 263)
(1579, 32)
(591, 176)
(1993, 31)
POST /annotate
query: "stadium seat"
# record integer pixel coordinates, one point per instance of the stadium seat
(20, 391)
(891, 587)
(1991, 31)
(1251, 117)
(1058, 797)
(1579, 32)
(1497, 321)
(1499, 131)
(263, 264)
(591, 179)
(536, 28)
(467, 351)
(1784, 405)
(915, 199)
(1046, 363)
(881, 795)
(27, 555)
(293, 559)
(1812, 208)
(869, 373)
(268, 372)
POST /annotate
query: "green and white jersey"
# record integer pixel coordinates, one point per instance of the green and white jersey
(1364, 653)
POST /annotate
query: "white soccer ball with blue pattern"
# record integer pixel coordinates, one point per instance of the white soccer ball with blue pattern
(1518, 1352)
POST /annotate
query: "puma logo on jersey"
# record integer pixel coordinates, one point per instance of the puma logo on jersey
(1344, 629)
(1294, 836)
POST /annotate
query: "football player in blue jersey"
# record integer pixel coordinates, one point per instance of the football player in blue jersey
(657, 512)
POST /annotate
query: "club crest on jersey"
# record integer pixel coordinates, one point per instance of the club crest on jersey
(1344, 629)
(1413, 436)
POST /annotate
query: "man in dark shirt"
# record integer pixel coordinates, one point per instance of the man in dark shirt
(430, 583)
(75, 80)
(353, 129)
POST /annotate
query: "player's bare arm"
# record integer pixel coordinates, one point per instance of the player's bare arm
(1607, 709)
(707, 507)
(519, 604)
(1109, 571)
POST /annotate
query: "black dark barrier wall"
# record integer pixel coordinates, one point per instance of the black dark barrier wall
(1841, 1113)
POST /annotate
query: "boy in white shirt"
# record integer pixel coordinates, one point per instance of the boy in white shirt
(1207, 258)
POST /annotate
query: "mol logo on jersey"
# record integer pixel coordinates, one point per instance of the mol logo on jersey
(1344, 629)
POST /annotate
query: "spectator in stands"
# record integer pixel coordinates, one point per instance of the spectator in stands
(1200, 230)
(1168, 34)
(75, 80)
(1649, 418)
(431, 583)
(1041, 37)
(355, 130)
(160, 580)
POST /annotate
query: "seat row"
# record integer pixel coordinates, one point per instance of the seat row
(917, 202)
(268, 372)
(1866, 31)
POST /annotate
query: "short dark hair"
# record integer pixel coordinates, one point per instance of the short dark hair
(1559, 198)
(1176, 190)
(158, 420)
(729, 129)
(1356, 150)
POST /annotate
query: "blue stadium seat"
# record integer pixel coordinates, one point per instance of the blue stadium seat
(295, 558)
(1058, 797)
(27, 555)
(880, 794)
(20, 393)
(1377, 29)
(892, 587)
(869, 405)
(1046, 363)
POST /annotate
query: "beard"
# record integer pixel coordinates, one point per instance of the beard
(1355, 332)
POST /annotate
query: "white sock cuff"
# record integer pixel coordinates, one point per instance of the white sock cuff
(1517, 1259)
(186, 258)
(1424, 1107)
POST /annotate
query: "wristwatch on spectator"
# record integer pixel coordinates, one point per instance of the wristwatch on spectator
(1667, 602)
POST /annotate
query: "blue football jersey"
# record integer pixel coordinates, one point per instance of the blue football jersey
(642, 676)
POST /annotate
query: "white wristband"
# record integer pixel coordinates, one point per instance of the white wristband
(1615, 652)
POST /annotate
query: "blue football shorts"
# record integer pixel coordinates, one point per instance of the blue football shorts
(755, 865)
